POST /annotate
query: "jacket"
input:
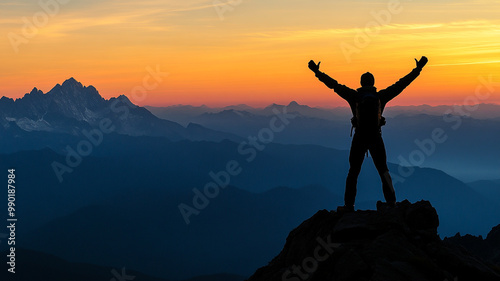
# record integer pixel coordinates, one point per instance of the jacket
(352, 96)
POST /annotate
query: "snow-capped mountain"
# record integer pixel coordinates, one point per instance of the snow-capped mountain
(72, 107)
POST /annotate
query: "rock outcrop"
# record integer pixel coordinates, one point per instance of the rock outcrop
(488, 249)
(399, 243)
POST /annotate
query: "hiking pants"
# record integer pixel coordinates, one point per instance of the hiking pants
(361, 143)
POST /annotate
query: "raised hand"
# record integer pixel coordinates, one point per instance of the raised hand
(422, 62)
(313, 66)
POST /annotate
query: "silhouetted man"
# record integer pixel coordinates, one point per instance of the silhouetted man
(367, 106)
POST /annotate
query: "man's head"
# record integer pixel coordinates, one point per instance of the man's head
(367, 80)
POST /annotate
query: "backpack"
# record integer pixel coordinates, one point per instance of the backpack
(368, 113)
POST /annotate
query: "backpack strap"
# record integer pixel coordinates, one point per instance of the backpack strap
(353, 123)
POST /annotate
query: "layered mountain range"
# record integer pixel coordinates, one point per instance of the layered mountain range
(71, 107)
(119, 206)
(470, 137)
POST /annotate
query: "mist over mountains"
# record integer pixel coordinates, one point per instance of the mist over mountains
(471, 137)
(118, 206)
(185, 113)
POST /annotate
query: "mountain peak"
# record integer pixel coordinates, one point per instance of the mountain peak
(293, 103)
(33, 94)
(35, 91)
(72, 82)
(399, 243)
(6, 100)
(126, 100)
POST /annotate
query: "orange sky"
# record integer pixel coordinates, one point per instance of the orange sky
(249, 51)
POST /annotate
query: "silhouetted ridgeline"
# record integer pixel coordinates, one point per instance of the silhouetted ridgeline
(34, 265)
(387, 244)
(488, 249)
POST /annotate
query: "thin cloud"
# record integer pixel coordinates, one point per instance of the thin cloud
(208, 6)
(431, 28)
(467, 63)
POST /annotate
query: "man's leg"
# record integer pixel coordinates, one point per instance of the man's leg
(377, 151)
(356, 157)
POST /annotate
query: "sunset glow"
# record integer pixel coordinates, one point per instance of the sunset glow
(250, 51)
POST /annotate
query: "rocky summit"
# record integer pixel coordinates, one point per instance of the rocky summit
(399, 243)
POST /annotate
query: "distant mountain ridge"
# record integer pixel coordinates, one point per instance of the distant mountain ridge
(141, 196)
(185, 113)
(133, 182)
(41, 266)
(70, 107)
(464, 127)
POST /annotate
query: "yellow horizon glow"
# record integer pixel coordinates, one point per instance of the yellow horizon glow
(258, 53)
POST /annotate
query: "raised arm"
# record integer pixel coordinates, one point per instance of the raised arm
(343, 91)
(392, 91)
